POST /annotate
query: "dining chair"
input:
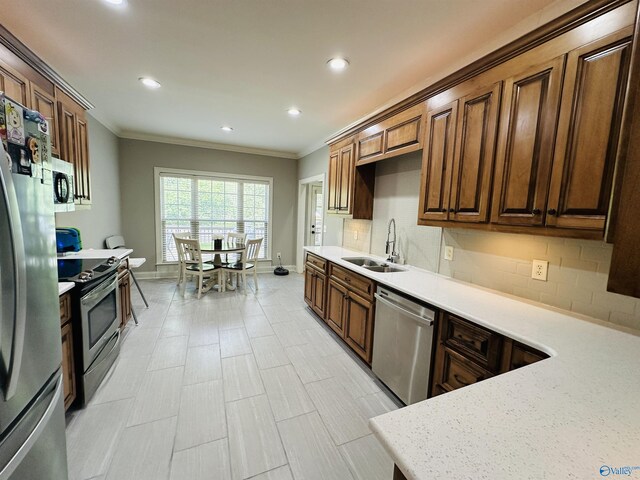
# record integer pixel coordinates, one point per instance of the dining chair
(233, 237)
(248, 261)
(179, 249)
(192, 264)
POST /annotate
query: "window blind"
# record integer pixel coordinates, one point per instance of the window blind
(208, 207)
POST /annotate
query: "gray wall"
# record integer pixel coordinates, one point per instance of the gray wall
(137, 190)
(317, 163)
(103, 219)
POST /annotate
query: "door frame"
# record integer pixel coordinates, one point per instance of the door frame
(303, 198)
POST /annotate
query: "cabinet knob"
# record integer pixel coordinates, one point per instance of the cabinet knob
(536, 211)
(552, 211)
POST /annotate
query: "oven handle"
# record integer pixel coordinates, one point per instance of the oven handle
(115, 345)
(99, 291)
(427, 322)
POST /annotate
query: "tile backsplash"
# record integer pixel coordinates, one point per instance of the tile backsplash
(578, 269)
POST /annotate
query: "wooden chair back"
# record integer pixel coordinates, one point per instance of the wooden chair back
(189, 251)
(237, 237)
(251, 251)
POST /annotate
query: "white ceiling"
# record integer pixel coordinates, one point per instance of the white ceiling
(244, 62)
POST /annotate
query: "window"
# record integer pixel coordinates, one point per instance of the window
(206, 205)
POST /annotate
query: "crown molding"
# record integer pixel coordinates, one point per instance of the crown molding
(185, 142)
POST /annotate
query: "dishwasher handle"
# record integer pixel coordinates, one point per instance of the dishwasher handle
(427, 322)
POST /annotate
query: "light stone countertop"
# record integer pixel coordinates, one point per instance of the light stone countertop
(64, 287)
(98, 253)
(563, 417)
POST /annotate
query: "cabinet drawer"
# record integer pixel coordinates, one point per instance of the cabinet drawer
(370, 146)
(317, 262)
(355, 282)
(404, 135)
(474, 342)
(459, 372)
(65, 308)
(523, 355)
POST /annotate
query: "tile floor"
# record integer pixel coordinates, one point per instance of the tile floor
(230, 386)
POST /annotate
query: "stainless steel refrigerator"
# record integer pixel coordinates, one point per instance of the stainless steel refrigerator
(32, 424)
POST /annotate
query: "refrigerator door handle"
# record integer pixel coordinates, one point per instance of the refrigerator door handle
(33, 437)
(19, 278)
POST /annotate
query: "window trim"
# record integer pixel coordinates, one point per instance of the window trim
(158, 171)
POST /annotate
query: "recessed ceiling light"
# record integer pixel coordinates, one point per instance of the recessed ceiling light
(294, 112)
(226, 128)
(115, 2)
(149, 82)
(338, 64)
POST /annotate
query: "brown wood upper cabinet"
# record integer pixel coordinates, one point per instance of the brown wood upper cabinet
(350, 188)
(457, 161)
(45, 103)
(74, 144)
(473, 160)
(397, 135)
(525, 144)
(14, 84)
(588, 132)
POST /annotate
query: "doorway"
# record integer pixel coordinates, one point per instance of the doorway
(311, 219)
(314, 215)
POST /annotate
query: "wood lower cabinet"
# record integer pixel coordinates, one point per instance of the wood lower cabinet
(124, 291)
(588, 132)
(467, 353)
(350, 309)
(525, 144)
(358, 331)
(315, 284)
(68, 365)
(337, 295)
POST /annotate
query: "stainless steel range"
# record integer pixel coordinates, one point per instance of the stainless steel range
(96, 304)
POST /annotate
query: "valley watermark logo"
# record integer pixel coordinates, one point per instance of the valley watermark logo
(606, 470)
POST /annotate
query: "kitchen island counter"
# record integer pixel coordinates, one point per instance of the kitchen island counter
(563, 417)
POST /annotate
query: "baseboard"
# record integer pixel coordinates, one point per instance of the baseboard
(168, 272)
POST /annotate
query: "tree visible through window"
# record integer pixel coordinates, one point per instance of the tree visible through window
(208, 207)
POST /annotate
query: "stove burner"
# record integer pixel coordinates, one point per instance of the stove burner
(85, 276)
(111, 260)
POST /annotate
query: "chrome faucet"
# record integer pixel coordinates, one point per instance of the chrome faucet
(391, 244)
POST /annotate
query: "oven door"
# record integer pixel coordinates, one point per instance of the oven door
(99, 310)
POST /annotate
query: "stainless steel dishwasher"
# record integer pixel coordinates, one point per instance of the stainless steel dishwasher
(402, 343)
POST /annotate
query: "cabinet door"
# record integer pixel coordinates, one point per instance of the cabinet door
(336, 299)
(334, 172)
(319, 289)
(14, 85)
(68, 144)
(68, 368)
(347, 166)
(82, 137)
(359, 325)
(437, 160)
(588, 131)
(455, 372)
(308, 285)
(46, 105)
(124, 287)
(370, 144)
(473, 161)
(525, 145)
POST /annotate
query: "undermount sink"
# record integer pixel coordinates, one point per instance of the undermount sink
(373, 265)
(362, 261)
(385, 268)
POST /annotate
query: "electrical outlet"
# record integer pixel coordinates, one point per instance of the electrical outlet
(448, 253)
(540, 269)
(355, 235)
(279, 255)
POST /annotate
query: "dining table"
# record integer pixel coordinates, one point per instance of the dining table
(225, 247)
